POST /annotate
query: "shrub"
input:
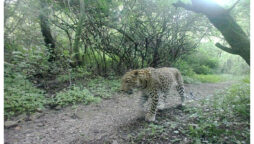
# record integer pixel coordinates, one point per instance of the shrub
(202, 63)
(202, 69)
(73, 73)
(184, 68)
(20, 95)
(31, 63)
(104, 87)
(74, 95)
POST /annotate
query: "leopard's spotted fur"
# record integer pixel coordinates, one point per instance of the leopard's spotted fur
(154, 84)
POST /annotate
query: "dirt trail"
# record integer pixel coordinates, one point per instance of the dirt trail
(95, 122)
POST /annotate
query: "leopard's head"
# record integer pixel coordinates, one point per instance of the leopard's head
(133, 79)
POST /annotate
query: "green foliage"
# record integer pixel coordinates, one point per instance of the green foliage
(74, 95)
(103, 87)
(184, 67)
(202, 63)
(214, 78)
(202, 69)
(190, 80)
(209, 78)
(225, 117)
(150, 131)
(20, 96)
(246, 79)
(30, 62)
(73, 74)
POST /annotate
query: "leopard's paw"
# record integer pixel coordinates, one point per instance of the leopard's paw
(150, 117)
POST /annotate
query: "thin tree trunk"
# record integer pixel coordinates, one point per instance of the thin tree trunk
(156, 57)
(78, 35)
(46, 32)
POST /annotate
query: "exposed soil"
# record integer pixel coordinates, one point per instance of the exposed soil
(95, 123)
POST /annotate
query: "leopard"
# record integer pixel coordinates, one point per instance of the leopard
(156, 84)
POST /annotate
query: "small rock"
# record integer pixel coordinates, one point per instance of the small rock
(9, 124)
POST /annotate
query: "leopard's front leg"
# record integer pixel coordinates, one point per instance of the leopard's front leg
(150, 116)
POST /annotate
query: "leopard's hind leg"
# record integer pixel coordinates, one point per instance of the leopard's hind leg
(180, 87)
(150, 116)
(180, 90)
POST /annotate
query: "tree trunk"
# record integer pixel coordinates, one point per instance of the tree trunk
(78, 35)
(46, 32)
(221, 19)
(156, 57)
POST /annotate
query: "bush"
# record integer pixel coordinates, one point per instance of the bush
(20, 95)
(74, 95)
(202, 63)
(202, 69)
(104, 87)
(73, 74)
(184, 67)
(31, 63)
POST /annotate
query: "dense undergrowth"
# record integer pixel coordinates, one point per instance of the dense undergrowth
(224, 118)
(21, 96)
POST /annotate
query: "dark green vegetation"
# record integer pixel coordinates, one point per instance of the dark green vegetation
(21, 96)
(224, 118)
(60, 53)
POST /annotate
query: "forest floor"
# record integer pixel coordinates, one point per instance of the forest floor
(112, 120)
